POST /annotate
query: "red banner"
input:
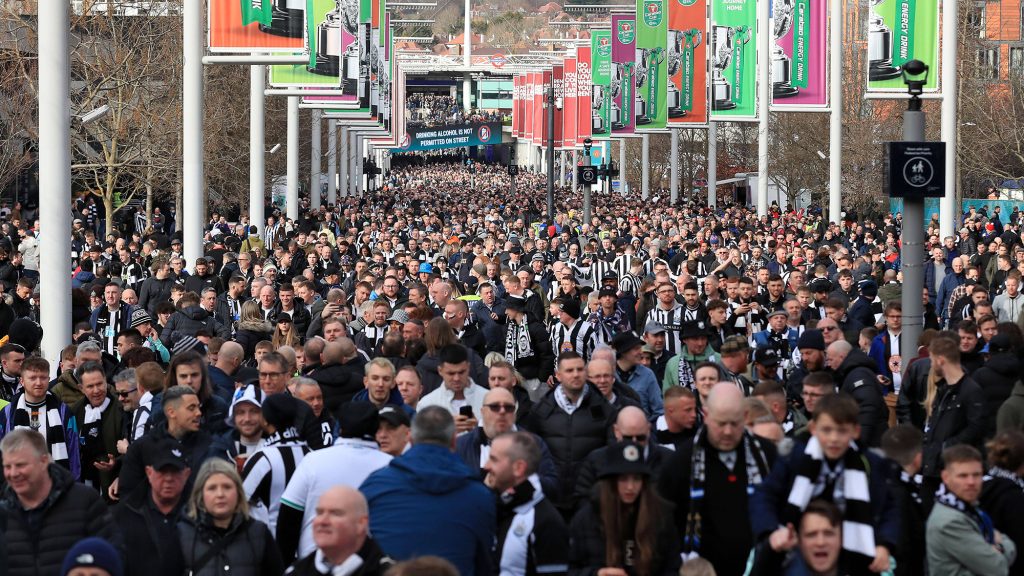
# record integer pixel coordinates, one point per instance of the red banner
(540, 89)
(528, 106)
(584, 83)
(569, 113)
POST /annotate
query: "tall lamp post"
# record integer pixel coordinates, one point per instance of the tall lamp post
(915, 75)
(550, 105)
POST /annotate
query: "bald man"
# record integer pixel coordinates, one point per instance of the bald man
(223, 372)
(857, 375)
(340, 374)
(497, 418)
(729, 462)
(631, 425)
(341, 534)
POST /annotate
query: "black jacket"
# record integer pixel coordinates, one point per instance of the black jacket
(468, 445)
(340, 382)
(571, 437)
(910, 404)
(300, 317)
(542, 363)
(548, 542)
(195, 446)
(858, 377)
(997, 378)
(375, 562)
(187, 322)
(150, 538)
(154, 291)
(71, 512)
(1003, 501)
(958, 417)
(247, 548)
(587, 544)
(249, 334)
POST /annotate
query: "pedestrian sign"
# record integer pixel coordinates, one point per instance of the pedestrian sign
(915, 169)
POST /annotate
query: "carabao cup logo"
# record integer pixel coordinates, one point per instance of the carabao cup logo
(604, 47)
(626, 32)
(653, 13)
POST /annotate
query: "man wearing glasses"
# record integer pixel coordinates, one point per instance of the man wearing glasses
(499, 417)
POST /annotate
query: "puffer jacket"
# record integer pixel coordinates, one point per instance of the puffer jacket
(858, 377)
(957, 418)
(571, 437)
(587, 543)
(340, 382)
(70, 513)
(250, 549)
(187, 322)
(249, 333)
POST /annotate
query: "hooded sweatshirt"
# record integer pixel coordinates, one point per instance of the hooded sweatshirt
(428, 502)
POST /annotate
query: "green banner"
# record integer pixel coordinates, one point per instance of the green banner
(601, 94)
(319, 72)
(900, 31)
(652, 69)
(256, 11)
(800, 64)
(734, 59)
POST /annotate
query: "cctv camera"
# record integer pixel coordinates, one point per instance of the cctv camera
(96, 114)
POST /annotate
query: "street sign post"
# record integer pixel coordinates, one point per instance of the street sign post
(915, 169)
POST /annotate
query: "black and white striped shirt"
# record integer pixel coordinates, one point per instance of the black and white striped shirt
(582, 337)
(672, 319)
(267, 472)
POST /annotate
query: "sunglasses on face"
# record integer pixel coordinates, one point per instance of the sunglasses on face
(499, 408)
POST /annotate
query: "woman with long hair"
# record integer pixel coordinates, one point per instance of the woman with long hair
(251, 328)
(217, 535)
(626, 528)
(284, 332)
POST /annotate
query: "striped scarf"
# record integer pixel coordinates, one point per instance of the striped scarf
(45, 418)
(981, 519)
(755, 463)
(517, 341)
(850, 493)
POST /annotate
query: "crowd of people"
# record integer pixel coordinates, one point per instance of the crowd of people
(439, 378)
(429, 110)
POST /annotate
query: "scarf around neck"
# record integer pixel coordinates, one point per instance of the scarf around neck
(945, 497)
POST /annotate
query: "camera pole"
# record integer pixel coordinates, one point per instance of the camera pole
(912, 251)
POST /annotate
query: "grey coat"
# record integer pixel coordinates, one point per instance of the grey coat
(957, 548)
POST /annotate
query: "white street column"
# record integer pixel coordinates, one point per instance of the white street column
(292, 194)
(645, 166)
(55, 178)
(193, 182)
(314, 159)
(835, 128)
(713, 164)
(467, 55)
(623, 187)
(343, 161)
(674, 188)
(467, 94)
(561, 167)
(332, 161)
(575, 173)
(355, 174)
(948, 210)
(257, 194)
(764, 95)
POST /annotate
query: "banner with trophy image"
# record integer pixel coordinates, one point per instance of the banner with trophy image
(651, 68)
(600, 81)
(687, 94)
(558, 82)
(542, 82)
(799, 54)
(734, 60)
(328, 38)
(623, 121)
(517, 114)
(584, 90)
(527, 106)
(900, 31)
(256, 25)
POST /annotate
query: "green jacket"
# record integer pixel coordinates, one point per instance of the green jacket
(67, 389)
(671, 377)
(957, 548)
(1011, 413)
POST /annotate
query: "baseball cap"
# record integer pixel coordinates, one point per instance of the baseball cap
(607, 291)
(394, 416)
(251, 394)
(167, 454)
(767, 356)
(653, 328)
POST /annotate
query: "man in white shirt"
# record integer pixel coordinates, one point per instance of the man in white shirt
(458, 393)
(353, 457)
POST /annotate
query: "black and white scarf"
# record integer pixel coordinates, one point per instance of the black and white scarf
(984, 522)
(997, 472)
(518, 344)
(46, 419)
(755, 463)
(851, 494)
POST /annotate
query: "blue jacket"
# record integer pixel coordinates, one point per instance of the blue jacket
(880, 353)
(949, 282)
(395, 399)
(769, 499)
(427, 501)
(645, 384)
